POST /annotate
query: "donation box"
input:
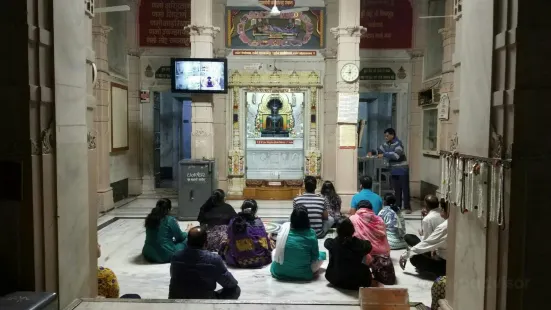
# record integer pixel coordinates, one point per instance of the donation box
(196, 181)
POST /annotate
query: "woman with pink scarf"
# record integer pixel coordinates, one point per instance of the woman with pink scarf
(371, 227)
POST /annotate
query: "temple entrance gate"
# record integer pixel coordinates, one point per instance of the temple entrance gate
(275, 133)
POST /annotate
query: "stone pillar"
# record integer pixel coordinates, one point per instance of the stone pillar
(328, 116)
(101, 119)
(92, 151)
(134, 174)
(148, 173)
(71, 37)
(348, 35)
(29, 207)
(45, 220)
(202, 34)
(448, 132)
(134, 125)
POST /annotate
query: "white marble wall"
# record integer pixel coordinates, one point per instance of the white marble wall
(72, 29)
(476, 77)
(328, 111)
(126, 164)
(476, 50)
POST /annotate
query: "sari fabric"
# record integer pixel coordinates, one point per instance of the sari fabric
(395, 228)
(216, 219)
(371, 227)
(108, 286)
(250, 247)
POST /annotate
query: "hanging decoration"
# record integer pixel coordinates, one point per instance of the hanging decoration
(477, 184)
(459, 183)
(496, 195)
(482, 195)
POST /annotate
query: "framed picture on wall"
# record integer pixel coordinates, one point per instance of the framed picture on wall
(119, 118)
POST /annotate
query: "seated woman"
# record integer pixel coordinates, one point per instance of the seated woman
(328, 191)
(394, 222)
(163, 236)
(297, 256)
(429, 255)
(371, 227)
(346, 269)
(215, 215)
(248, 244)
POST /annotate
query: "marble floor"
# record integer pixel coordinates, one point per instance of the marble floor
(128, 304)
(122, 238)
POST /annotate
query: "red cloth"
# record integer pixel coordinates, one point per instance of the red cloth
(372, 228)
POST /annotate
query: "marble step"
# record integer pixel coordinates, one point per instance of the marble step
(145, 304)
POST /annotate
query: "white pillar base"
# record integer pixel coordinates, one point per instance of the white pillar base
(105, 199)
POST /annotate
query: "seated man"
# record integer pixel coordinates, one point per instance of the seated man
(317, 206)
(195, 271)
(429, 255)
(366, 183)
(430, 221)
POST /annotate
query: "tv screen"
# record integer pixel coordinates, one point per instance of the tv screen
(196, 75)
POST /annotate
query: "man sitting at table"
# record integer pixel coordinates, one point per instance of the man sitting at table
(194, 272)
(366, 183)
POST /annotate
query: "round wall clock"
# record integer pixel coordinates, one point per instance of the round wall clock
(350, 73)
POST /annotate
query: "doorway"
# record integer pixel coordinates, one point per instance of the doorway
(172, 129)
(377, 112)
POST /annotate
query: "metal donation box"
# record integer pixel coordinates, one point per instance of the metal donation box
(196, 181)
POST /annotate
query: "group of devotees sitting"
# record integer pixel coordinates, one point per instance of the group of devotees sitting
(359, 256)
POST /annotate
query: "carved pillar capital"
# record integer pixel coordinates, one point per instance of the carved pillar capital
(101, 30)
(348, 31)
(202, 30)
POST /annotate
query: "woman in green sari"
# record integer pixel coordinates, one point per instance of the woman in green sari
(163, 236)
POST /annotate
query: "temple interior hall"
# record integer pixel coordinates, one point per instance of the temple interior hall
(412, 132)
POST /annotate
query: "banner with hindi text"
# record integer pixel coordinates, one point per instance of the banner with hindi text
(162, 22)
(389, 24)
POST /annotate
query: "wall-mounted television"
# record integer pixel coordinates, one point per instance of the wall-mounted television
(199, 75)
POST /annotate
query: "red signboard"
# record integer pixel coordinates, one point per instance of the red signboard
(389, 24)
(162, 22)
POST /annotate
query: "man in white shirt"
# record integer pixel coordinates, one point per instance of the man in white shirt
(429, 223)
(429, 255)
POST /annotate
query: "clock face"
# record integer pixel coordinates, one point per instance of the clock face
(350, 73)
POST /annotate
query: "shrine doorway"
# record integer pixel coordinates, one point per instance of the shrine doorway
(275, 140)
(274, 133)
